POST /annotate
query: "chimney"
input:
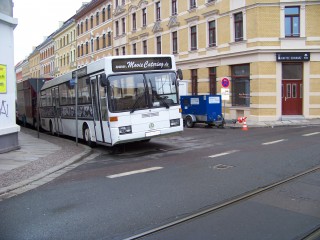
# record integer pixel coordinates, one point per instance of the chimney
(60, 24)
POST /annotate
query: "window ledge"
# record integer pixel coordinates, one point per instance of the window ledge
(293, 38)
(238, 42)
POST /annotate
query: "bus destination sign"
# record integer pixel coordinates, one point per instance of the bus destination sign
(80, 72)
(141, 64)
(293, 56)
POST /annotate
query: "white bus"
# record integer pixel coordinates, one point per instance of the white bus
(116, 99)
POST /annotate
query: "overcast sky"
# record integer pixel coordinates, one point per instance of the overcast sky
(39, 18)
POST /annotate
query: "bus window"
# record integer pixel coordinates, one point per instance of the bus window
(83, 91)
(63, 94)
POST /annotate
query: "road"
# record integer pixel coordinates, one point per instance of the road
(171, 179)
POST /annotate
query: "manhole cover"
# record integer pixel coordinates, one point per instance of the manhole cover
(222, 166)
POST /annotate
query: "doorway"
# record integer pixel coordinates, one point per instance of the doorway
(292, 89)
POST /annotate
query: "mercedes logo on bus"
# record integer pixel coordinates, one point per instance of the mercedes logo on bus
(151, 125)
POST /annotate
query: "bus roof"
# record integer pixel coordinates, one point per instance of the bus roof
(118, 64)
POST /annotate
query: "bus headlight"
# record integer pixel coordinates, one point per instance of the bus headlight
(125, 130)
(174, 122)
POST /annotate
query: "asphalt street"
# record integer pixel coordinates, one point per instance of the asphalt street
(167, 179)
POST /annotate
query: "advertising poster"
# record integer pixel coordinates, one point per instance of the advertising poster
(3, 78)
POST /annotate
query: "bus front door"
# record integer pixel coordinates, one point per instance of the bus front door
(101, 131)
(57, 110)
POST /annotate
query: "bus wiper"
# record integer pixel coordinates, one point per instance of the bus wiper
(163, 101)
(138, 100)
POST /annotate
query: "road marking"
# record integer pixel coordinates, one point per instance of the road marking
(223, 154)
(134, 172)
(310, 134)
(268, 143)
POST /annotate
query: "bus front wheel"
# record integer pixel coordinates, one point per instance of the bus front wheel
(87, 136)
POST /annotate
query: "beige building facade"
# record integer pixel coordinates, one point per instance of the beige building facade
(34, 63)
(47, 57)
(268, 50)
(65, 48)
(94, 31)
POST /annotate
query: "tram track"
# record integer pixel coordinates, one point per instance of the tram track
(314, 234)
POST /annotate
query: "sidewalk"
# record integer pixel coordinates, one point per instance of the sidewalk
(37, 158)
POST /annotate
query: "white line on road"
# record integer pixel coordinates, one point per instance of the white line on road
(223, 154)
(310, 134)
(268, 143)
(134, 172)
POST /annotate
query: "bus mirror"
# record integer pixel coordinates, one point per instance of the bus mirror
(179, 74)
(103, 79)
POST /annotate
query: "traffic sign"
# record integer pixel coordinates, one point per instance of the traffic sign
(225, 94)
(225, 82)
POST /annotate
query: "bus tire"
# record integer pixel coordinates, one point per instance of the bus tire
(51, 128)
(86, 136)
(189, 122)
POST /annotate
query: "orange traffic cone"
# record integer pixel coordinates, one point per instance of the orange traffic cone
(244, 126)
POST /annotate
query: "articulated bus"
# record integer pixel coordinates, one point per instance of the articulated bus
(116, 100)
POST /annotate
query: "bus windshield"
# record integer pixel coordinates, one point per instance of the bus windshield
(142, 91)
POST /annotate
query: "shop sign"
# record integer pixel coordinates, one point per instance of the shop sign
(141, 64)
(293, 56)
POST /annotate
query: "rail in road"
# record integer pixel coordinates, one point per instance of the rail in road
(314, 234)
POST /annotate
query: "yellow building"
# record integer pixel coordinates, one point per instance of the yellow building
(34, 63)
(65, 47)
(47, 53)
(94, 31)
(268, 50)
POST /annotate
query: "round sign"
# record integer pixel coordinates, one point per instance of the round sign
(225, 82)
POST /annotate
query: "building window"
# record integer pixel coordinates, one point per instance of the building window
(134, 49)
(193, 37)
(104, 42)
(123, 2)
(109, 11)
(212, 33)
(193, 4)
(109, 39)
(123, 25)
(240, 77)
(238, 27)
(92, 49)
(91, 22)
(103, 15)
(158, 45)
(117, 28)
(194, 81)
(78, 51)
(97, 18)
(134, 21)
(82, 50)
(174, 9)
(144, 17)
(292, 21)
(175, 42)
(86, 24)
(81, 27)
(212, 80)
(87, 47)
(117, 3)
(144, 45)
(117, 52)
(97, 44)
(123, 50)
(158, 11)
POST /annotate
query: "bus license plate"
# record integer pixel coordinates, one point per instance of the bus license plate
(153, 133)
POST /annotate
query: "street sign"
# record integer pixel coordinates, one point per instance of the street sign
(225, 82)
(225, 94)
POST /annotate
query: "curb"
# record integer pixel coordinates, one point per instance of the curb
(74, 159)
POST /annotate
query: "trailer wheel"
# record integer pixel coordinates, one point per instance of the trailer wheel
(87, 136)
(189, 122)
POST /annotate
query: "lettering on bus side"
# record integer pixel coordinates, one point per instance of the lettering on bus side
(139, 64)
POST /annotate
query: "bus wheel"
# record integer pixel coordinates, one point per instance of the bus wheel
(51, 129)
(189, 122)
(87, 136)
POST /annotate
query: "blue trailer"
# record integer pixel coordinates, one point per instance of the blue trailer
(202, 109)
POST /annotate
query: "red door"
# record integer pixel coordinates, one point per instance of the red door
(291, 97)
